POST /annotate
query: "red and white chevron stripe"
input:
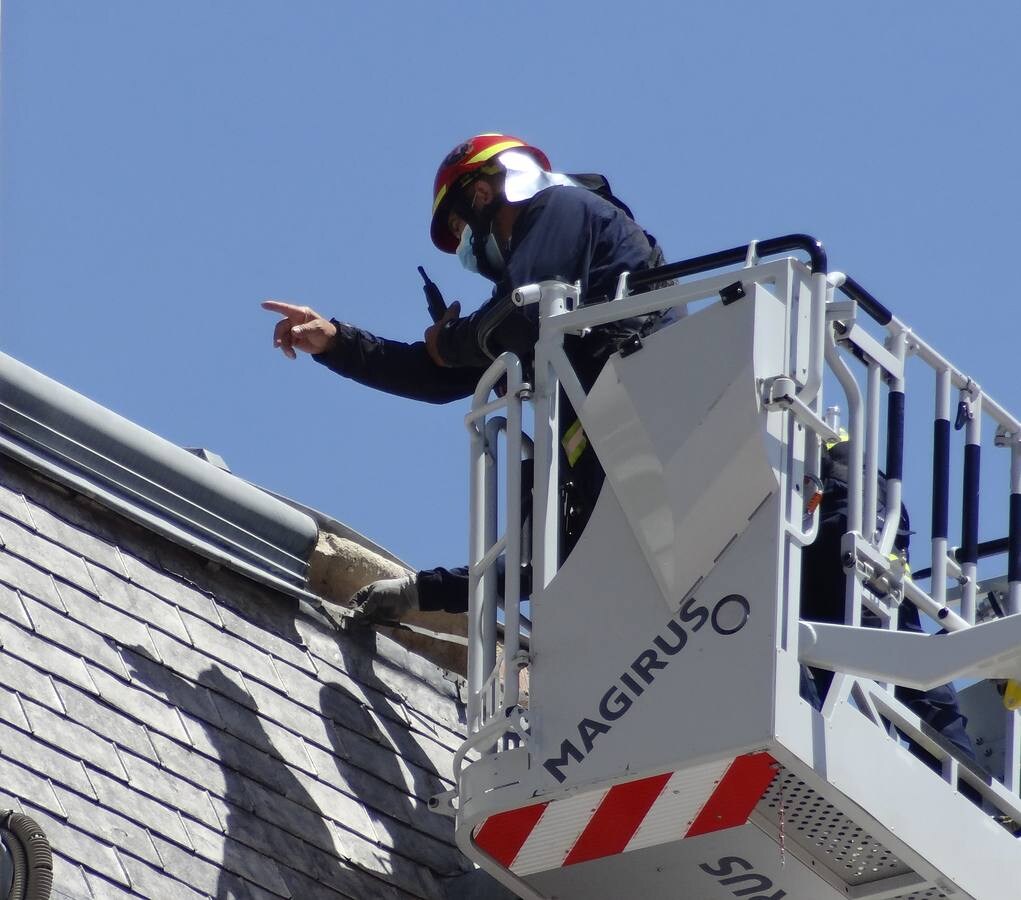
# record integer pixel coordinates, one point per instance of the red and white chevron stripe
(627, 816)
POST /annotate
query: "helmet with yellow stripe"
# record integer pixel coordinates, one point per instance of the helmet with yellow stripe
(466, 162)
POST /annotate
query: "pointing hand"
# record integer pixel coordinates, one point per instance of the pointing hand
(301, 328)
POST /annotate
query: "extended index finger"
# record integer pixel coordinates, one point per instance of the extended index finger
(285, 309)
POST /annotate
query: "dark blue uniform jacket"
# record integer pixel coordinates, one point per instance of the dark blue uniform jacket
(565, 233)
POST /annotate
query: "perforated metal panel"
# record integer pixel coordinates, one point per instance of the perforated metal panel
(829, 836)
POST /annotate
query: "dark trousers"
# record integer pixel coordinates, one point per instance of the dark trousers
(447, 589)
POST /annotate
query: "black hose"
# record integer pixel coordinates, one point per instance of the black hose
(33, 877)
(19, 865)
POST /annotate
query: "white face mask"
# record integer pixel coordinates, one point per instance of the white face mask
(465, 252)
(467, 256)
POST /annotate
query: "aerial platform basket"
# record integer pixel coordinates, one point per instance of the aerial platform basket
(663, 749)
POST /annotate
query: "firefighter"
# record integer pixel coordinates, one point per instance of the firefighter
(822, 600)
(501, 209)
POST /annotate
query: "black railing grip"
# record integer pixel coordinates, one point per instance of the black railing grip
(732, 257)
(983, 550)
(940, 478)
(866, 301)
(771, 247)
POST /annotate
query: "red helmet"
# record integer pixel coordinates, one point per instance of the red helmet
(463, 162)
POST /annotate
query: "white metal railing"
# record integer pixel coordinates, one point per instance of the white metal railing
(824, 334)
(488, 696)
(493, 705)
(875, 578)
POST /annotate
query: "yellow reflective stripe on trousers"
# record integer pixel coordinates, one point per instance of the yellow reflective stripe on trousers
(574, 442)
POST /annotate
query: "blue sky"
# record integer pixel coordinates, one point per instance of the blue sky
(166, 166)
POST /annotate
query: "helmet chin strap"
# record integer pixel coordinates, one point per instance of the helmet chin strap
(481, 224)
(488, 256)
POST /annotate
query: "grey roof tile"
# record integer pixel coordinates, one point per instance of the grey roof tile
(416, 744)
(191, 664)
(262, 732)
(268, 783)
(396, 787)
(69, 880)
(141, 705)
(44, 553)
(304, 686)
(155, 678)
(104, 720)
(152, 882)
(278, 707)
(44, 760)
(237, 858)
(346, 884)
(74, 739)
(25, 783)
(229, 649)
(77, 638)
(103, 889)
(245, 726)
(394, 868)
(386, 785)
(95, 854)
(142, 605)
(157, 817)
(350, 657)
(366, 714)
(291, 649)
(423, 756)
(189, 868)
(106, 825)
(191, 765)
(420, 723)
(12, 710)
(410, 665)
(14, 506)
(157, 782)
(29, 681)
(231, 887)
(444, 858)
(304, 814)
(75, 538)
(25, 578)
(176, 590)
(102, 617)
(45, 656)
(293, 818)
(235, 755)
(272, 838)
(9, 801)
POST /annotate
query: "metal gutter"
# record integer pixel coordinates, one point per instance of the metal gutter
(64, 435)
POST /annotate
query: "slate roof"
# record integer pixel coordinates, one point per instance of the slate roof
(182, 731)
